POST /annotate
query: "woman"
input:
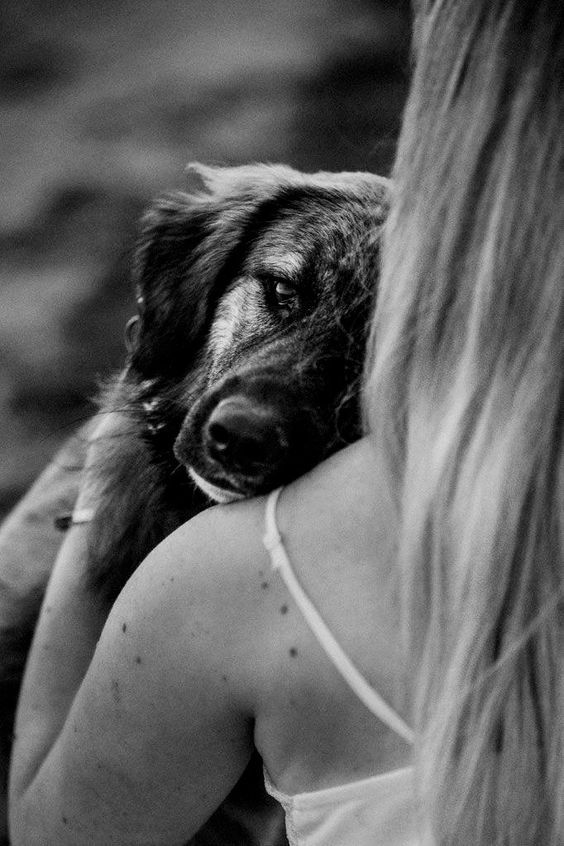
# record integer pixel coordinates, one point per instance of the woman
(432, 549)
(469, 370)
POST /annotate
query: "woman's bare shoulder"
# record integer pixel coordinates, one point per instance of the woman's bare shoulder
(342, 494)
(208, 566)
(341, 503)
(342, 491)
(215, 567)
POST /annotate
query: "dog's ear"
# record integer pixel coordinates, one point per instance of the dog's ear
(170, 295)
(189, 246)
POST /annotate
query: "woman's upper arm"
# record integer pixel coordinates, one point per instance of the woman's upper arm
(158, 733)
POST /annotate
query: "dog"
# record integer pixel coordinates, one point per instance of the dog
(245, 358)
(246, 355)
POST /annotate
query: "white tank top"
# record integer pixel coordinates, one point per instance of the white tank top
(374, 811)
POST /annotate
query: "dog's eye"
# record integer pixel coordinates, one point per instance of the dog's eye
(285, 294)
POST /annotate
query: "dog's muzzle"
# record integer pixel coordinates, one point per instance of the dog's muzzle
(238, 449)
(243, 436)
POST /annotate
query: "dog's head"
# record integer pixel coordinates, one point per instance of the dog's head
(254, 290)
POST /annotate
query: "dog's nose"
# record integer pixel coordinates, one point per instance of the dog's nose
(244, 435)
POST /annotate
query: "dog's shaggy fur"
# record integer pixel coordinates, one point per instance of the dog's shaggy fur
(254, 292)
(253, 289)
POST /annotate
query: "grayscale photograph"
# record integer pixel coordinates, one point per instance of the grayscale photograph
(282, 423)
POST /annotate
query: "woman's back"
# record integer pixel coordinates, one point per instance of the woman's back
(342, 559)
(338, 762)
(335, 765)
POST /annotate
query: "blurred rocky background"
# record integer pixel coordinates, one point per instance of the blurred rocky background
(102, 103)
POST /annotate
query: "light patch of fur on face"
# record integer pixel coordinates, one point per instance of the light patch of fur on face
(240, 312)
(232, 305)
(243, 305)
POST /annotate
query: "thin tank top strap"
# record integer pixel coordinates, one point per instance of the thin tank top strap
(356, 681)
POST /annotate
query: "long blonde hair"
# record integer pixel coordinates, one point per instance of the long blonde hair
(465, 397)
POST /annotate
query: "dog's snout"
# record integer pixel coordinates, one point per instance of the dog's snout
(242, 434)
